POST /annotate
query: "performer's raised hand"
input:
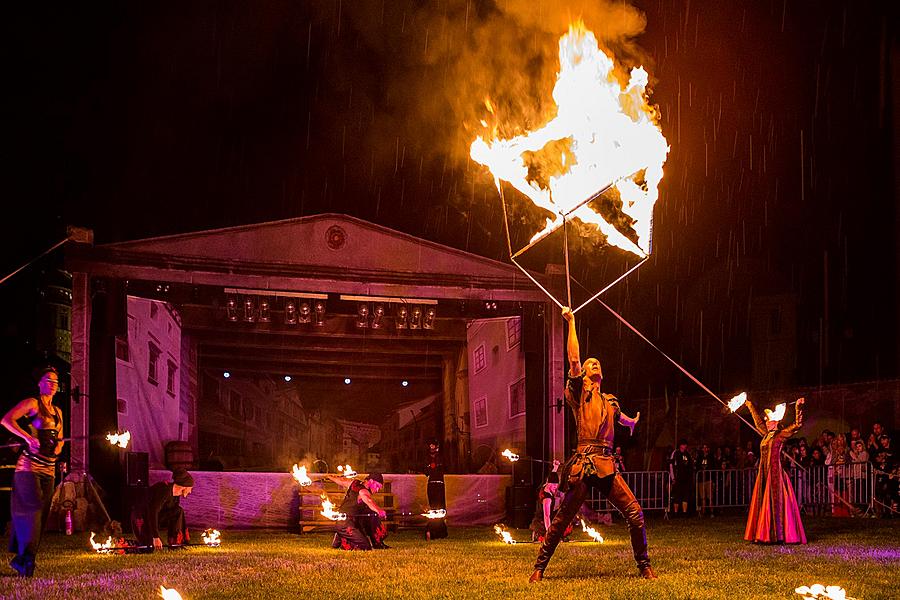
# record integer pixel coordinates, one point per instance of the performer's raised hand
(556, 464)
(567, 314)
(801, 401)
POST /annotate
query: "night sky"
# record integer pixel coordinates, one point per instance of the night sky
(142, 119)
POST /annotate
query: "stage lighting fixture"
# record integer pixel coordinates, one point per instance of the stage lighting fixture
(377, 316)
(290, 313)
(346, 381)
(264, 316)
(362, 312)
(428, 322)
(305, 313)
(402, 317)
(415, 317)
(249, 309)
(404, 383)
(231, 309)
(287, 378)
(320, 313)
(490, 305)
(226, 374)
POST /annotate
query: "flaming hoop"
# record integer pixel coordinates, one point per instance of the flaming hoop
(504, 534)
(604, 136)
(119, 439)
(301, 476)
(169, 593)
(212, 538)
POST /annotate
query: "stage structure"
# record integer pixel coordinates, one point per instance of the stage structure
(310, 298)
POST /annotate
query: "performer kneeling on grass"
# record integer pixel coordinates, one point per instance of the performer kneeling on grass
(592, 465)
(363, 529)
(161, 510)
(548, 500)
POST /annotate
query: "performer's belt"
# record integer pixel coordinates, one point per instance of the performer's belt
(601, 449)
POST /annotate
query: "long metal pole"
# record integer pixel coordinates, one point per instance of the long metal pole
(617, 280)
(568, 276)
(35, 259)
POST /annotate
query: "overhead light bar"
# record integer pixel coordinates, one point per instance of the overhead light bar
(277, 294)
(387, 299)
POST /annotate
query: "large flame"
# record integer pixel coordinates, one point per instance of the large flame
(328, 510)
(593, 533)
(106, 546)
(435, 513)
(603, 134)
(169, 593)
(301, 476)
(212, 538)
(777, 414)
(504, 534)
(119, 439)
(737, 402)
(512, 456)
(817, 591)
(346, 471)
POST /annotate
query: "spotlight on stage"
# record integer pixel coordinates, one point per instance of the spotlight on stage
(415, 317)
(249, 310)
(226, 374)
(305, 312)
(346, 381)
(377, 316)
(264, 316)
(404, 383)
(231, 309)
(402, 317)
(430, 314)
(362, 311)
(320, 313)
(287, 378)
(290, 313)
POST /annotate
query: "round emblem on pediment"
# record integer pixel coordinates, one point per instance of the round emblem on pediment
(335, 237)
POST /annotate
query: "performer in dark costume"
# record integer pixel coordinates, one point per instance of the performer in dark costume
(592, 464)
(774, 514)
(435, 528)
(681, 477)
(33, 480)
(362, 529)
(548, 499)
(161, 510)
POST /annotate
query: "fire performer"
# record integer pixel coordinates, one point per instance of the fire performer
(774, 513)
(35, 470)
(363, 528)
(548, 499)
(592, 465)
(437, 499)
(161, 510)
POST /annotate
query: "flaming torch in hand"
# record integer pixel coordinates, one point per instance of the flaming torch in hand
(301, 476)
(777, 414)
(119, 439)
(212, 538)
(169, 593)
(737, 402)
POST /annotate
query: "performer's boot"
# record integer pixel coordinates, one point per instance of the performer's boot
(572, 501)
(621, 497)
(647, 573)
(536, 577)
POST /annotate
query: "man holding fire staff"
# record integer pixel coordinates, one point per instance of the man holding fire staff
(362, 529)
(592, 465)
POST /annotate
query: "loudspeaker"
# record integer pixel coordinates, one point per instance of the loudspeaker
(520, 506)
(137, 469)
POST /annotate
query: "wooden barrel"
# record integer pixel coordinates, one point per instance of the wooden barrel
(179, 455)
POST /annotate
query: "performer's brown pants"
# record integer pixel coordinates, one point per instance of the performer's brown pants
(619, 495)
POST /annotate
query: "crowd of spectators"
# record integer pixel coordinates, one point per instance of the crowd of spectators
(829, 472)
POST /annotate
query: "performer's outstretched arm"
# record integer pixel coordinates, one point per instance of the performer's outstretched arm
(572, 349)
(798, 420)
(758, 419)
(629, 422)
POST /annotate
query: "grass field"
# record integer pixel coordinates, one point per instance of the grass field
(694, 559)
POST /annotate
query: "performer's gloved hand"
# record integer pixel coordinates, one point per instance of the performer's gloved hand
(157, 544)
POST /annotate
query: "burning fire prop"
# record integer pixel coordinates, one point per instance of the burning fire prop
(504, 534)
(169, 593)
(435, 513)
(119, 439)
(820, 592)
(737, 402)
(301, 476)
(105, 547)
(510, 455)
(593, 533)
(604, 135)
(212, 538)
(346, 471)
(777, 414)
(328, 510)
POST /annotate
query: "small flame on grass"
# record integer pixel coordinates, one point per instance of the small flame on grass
(504, 534)
(119, 439)
(737, 402)
(328, 510)
(106, 546)
(169, 593)
(817, 591)
(777, 414)
(346, 471)
(595, 535)
(513, 457)
(212, 538)
(435, 513)
(301, 476)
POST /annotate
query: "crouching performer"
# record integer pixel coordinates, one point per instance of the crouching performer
(592, 465)
(362, 529)
(160, 511)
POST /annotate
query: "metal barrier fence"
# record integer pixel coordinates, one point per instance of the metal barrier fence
(820, 489)
(651, 488)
